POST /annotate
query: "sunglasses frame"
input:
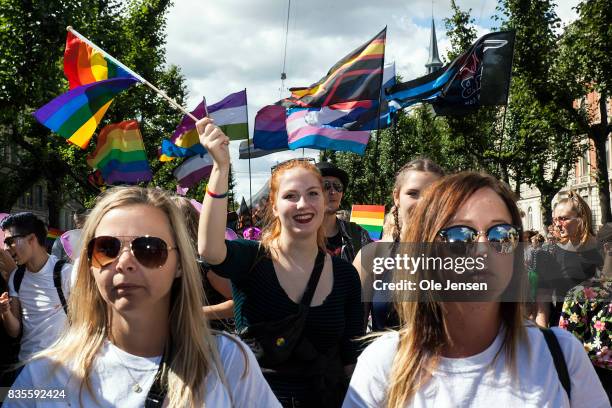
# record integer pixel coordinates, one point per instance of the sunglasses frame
(479, 233)
(91, 245)
(328, 185)
(14, 237)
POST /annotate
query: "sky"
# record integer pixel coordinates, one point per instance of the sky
(226, 46)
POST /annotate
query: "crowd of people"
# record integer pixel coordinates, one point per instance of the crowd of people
(162, 305)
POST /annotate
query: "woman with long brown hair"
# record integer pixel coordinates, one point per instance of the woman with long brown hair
(480, 353)
(298, 307)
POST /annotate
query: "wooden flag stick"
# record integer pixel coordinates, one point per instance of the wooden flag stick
(159, 92)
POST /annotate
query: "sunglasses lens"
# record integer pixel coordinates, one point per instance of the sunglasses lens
(458, 239)
(103, 251)
(503, 238)
(151, 252)
(338, 187)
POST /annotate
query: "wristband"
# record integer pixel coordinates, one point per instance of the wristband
(214, 195)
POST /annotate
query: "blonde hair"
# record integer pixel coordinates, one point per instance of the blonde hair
(423, 333)
(194, 345)
(583, 211)
(272, 226)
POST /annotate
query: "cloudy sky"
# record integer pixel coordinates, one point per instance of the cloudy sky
(225, 46)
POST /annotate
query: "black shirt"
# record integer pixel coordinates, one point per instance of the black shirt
(334, 244)
(259, 297)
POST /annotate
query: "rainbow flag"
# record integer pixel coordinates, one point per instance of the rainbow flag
(303, 134)
(54, 233)
(76, 114)
(369, 217)
(84, 64)
(120, 154)
(356, 77)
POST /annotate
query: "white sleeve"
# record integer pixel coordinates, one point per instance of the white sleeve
(245, 386)
(586, 389)
(23, 382)
(368, 386)
(66, 280)
(11, 288)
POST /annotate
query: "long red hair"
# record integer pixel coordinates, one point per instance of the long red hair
(272, 225)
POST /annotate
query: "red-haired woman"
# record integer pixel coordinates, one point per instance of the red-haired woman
(299, 307)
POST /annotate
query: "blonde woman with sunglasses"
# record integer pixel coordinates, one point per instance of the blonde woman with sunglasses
(137, 336)
(480, 352)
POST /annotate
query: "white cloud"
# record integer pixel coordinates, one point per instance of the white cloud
(226, 46)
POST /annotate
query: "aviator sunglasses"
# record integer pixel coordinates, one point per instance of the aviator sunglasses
(11, 241)
(504, 238)
(150, 252)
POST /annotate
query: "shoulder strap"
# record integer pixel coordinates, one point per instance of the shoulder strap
(57, 281)
(557, 354)
(159, 389)
(18, 277)
(314, 279)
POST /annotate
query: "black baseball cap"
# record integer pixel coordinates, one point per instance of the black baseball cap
(327, 169)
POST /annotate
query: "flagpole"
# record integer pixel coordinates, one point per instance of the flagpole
(382, 78)
(161, 93)
(249, 150)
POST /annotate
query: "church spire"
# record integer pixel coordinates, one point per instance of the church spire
(434, 63)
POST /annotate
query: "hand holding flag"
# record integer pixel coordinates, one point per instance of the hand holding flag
(214, 141)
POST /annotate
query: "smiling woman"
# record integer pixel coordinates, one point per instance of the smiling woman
(296, 306)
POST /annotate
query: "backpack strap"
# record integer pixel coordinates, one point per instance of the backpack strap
(314, 279)
(57, 281)
(18, 277)
(557, 354)
(159, 389)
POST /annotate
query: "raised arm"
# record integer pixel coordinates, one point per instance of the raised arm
(211, 230)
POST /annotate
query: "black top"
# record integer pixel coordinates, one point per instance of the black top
(259, 297)
(334, 244)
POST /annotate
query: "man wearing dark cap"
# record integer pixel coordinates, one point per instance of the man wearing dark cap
(344, 239)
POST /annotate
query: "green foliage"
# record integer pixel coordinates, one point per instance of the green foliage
(32, 38)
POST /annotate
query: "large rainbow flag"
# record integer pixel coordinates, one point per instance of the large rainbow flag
(76, 114)
(369, 217)
(84, 64)
(120, 154)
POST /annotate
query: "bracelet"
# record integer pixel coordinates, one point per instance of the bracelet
(214, 195)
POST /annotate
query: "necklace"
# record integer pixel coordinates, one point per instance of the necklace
(136, 387)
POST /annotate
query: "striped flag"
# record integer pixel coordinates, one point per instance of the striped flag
(270, 129)
(369, 217)
(356, 77)
(230, 114)
(254, 153)
(120, 154)
(193, 170)
(302, 134)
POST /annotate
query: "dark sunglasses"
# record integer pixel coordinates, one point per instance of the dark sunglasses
(10, 241)
(504, 238)
(150, 252)
(327, 185)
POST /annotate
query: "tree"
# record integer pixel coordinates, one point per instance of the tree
(32, 38)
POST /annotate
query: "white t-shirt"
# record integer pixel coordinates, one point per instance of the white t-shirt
(114, 385)
(475, 382)
(42, 315)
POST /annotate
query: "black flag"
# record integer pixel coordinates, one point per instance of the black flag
(483, 78)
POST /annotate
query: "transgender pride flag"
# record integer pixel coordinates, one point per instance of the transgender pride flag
(303, 134)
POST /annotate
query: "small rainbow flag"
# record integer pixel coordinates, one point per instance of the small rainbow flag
(84, 64)
(369, 217)
(54, 233)
(120, 154)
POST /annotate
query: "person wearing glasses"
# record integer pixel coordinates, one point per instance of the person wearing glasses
(344, 238)
(136, 336)
(476, 353)
(410, 182)
(587, 313)
(38, 286)
(572, 260)
(298, 307)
